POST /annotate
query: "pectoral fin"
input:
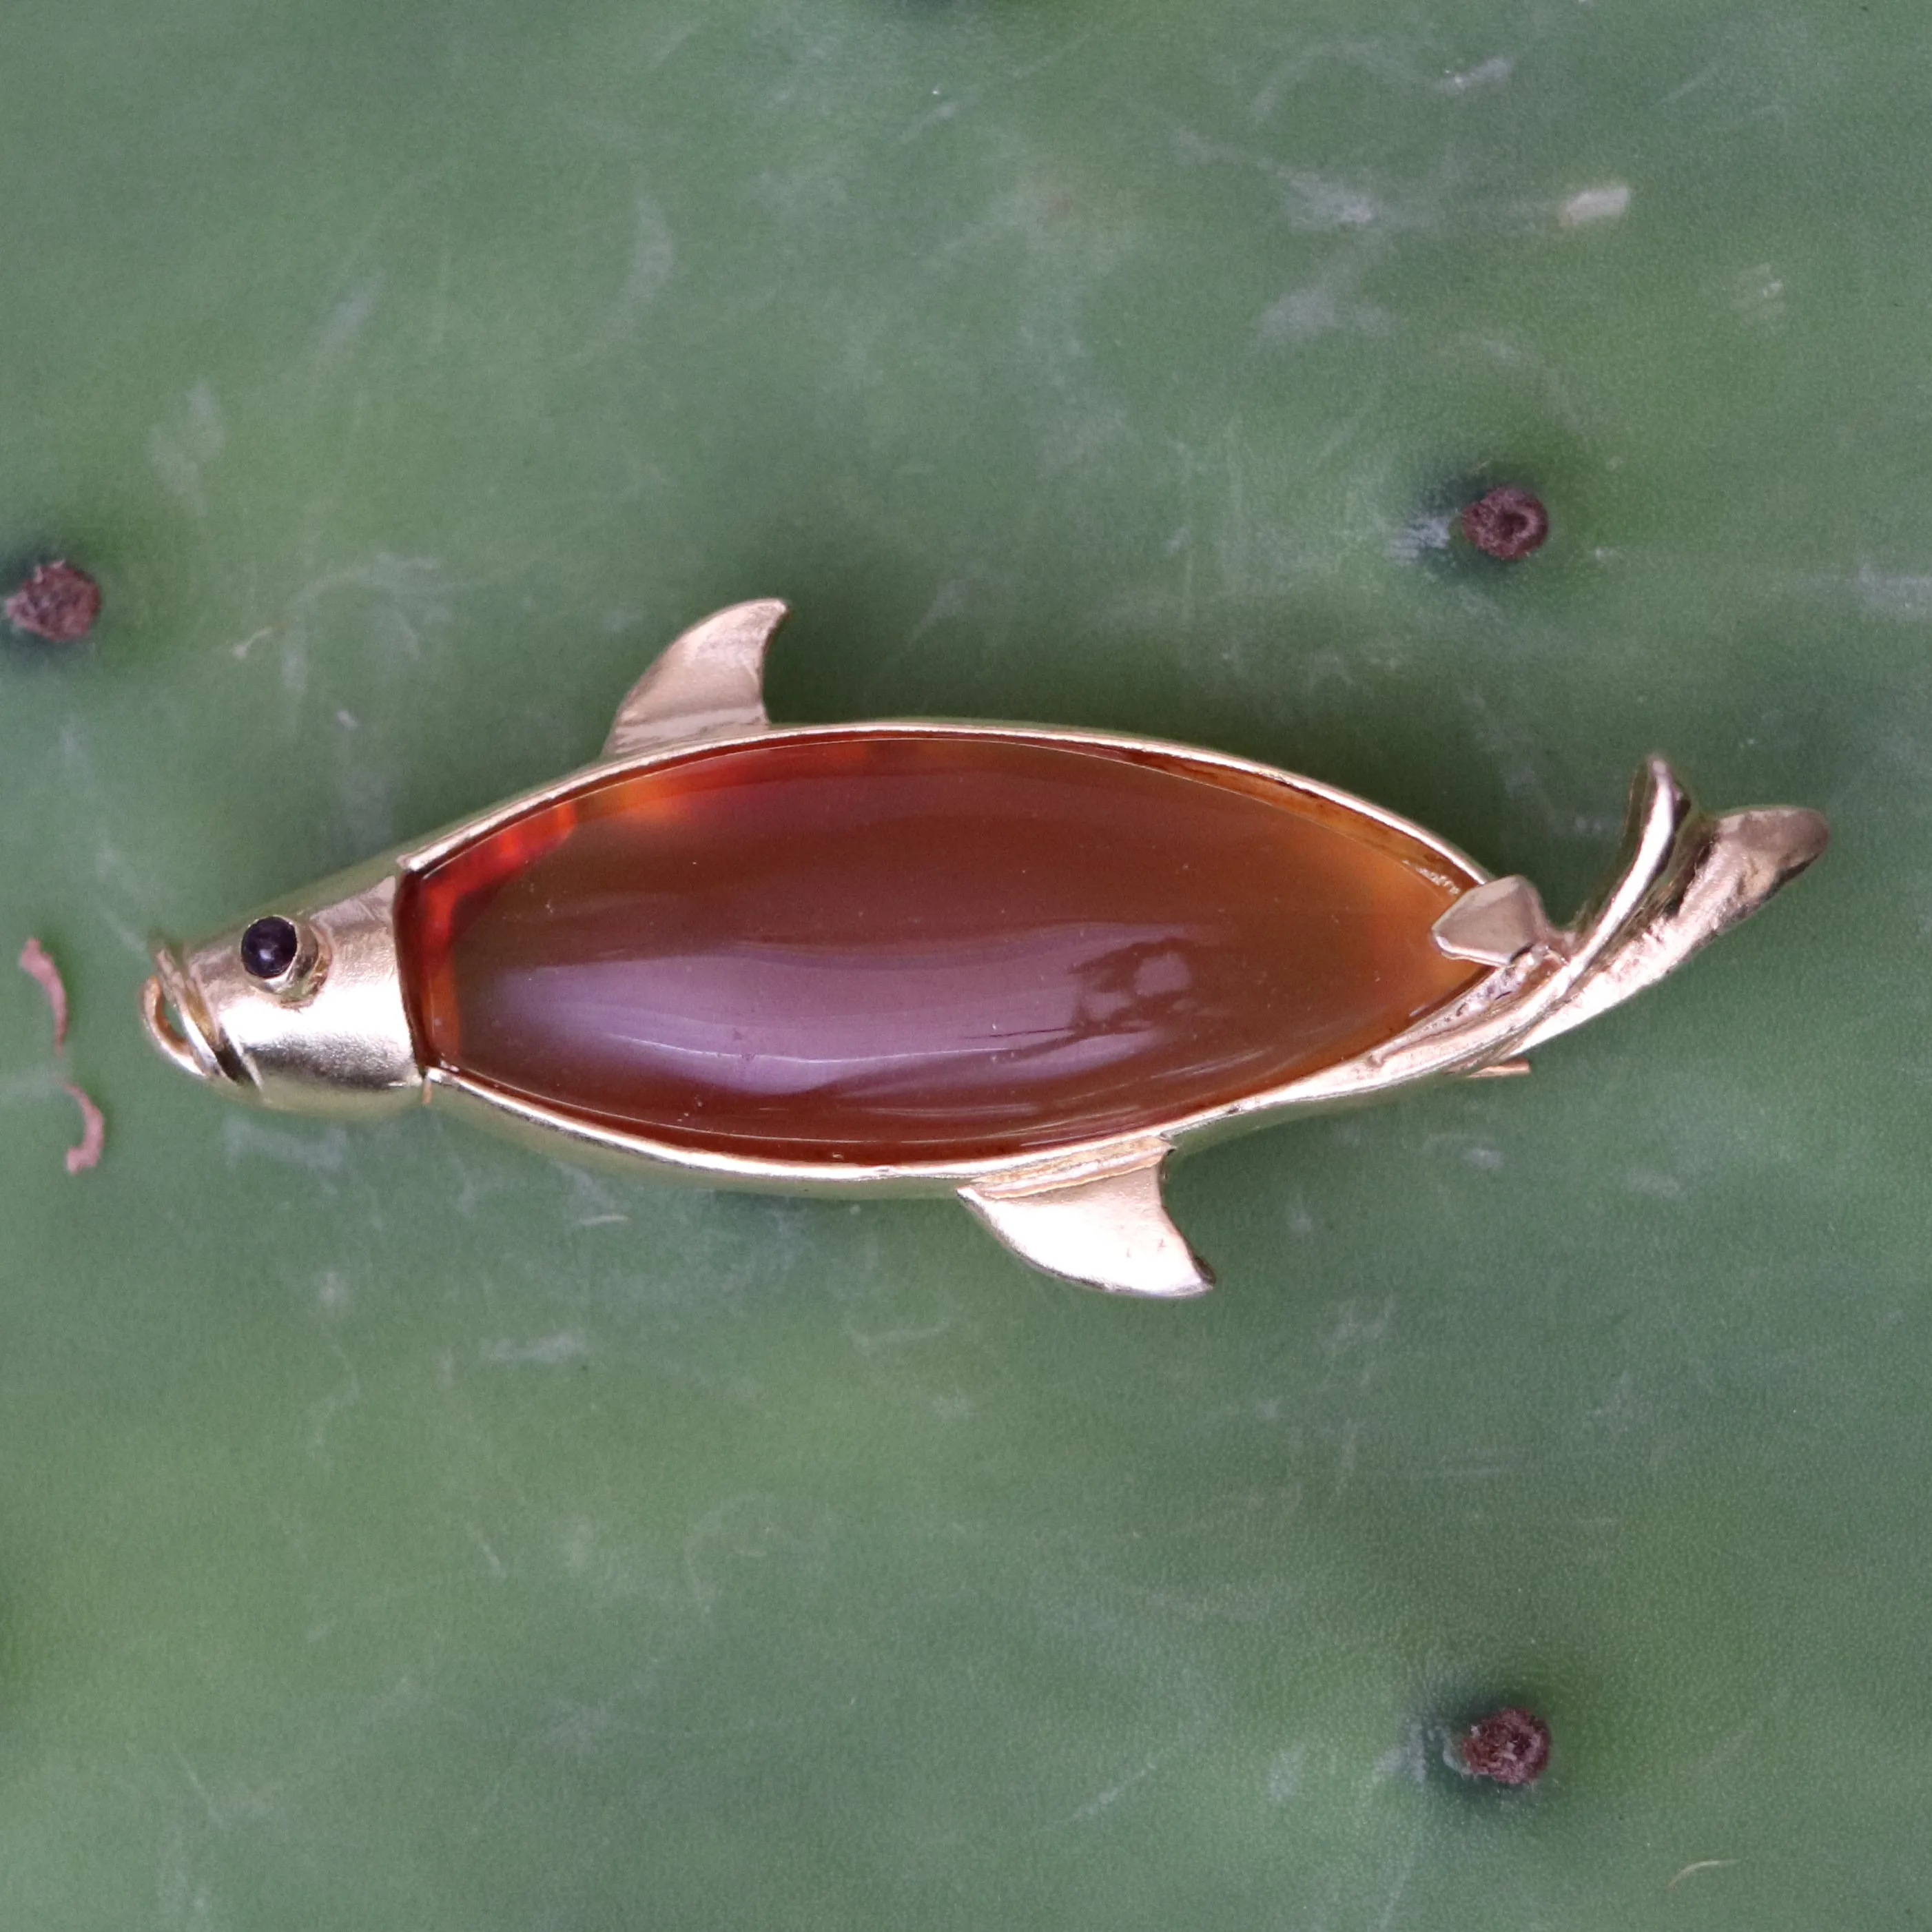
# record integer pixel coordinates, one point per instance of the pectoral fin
(1494, 923)
(1108, 1231)
(709, 680)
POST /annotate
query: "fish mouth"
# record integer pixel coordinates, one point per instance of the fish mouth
(177, 1019)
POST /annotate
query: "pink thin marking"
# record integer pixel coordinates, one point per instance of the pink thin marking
(93, 1132)
(39, 967)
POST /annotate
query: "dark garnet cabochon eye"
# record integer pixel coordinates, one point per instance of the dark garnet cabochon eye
(269, 947)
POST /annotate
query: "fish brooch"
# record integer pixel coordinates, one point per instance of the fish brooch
(1018, 963)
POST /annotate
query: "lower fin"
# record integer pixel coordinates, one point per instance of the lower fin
(1109, 1230)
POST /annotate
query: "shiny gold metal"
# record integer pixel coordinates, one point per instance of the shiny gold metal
(710, 681)
(337, 1040)
(1098, 1220)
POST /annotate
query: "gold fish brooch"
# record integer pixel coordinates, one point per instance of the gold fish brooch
(1019, 964)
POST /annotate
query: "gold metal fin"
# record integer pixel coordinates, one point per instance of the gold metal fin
(1495, 923)
(710, 680)
(1107, 1230)
(1720, 871)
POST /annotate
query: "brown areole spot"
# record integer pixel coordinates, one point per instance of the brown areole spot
(1506, 524)
(1508, 1746)
(58, 601)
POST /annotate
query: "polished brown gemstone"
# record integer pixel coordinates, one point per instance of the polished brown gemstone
(889, 945)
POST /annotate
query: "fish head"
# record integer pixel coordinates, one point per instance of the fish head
(298, 1007)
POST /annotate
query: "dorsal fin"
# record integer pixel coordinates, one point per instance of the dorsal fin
(1109, 1230)
(710, 680)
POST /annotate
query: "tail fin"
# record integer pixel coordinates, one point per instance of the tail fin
(1719, 872)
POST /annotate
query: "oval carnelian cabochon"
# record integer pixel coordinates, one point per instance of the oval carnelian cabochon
(913, 946)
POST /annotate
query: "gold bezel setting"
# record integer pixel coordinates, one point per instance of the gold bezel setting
(300, 979)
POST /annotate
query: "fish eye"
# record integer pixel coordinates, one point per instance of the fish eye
(269, 947)
(282, 956)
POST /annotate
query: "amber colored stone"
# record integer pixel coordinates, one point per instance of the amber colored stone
(893, 945)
